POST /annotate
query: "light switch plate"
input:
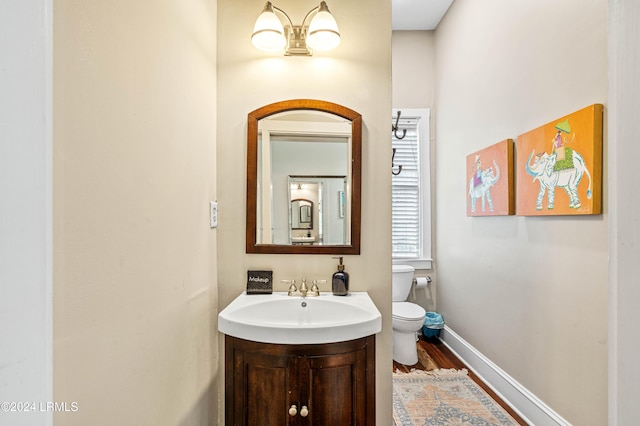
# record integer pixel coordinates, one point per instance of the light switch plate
(213, 214)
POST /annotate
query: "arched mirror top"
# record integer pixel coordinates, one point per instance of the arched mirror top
(299, 106)
(316, 141)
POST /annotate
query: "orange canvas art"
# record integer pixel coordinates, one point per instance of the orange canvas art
(490, 180)
(559, 166)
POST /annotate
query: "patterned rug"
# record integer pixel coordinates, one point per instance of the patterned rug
(443, 397)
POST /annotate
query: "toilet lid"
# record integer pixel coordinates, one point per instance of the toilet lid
(402, 268)
(407, 310)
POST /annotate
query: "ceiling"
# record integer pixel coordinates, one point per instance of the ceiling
(418, 14)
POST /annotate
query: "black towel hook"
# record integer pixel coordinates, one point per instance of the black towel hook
(393, 166)
(394, 128)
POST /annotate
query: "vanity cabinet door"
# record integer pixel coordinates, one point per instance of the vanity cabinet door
(259, 386)
(334, 388)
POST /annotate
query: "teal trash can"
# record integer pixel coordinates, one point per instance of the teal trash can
(433, 323)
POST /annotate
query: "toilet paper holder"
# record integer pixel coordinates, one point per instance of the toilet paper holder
(420, 282)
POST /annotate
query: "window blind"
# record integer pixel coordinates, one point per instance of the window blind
(405, 192)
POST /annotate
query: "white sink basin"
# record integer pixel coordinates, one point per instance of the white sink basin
(278, 318)
(303, 239)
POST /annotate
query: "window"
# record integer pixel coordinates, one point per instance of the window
(410, 190)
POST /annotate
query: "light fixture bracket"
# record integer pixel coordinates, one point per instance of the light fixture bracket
(296, 41)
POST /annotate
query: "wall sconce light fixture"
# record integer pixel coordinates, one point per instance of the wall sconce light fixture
(320, 33)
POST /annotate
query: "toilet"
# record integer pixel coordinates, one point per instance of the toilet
(406, 318)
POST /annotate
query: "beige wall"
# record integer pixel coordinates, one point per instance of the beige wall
(413, 69)
(358, 75)
(529, 293)
(134, 170)
(414, 86)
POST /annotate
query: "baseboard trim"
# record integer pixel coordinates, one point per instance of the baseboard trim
(527, 405)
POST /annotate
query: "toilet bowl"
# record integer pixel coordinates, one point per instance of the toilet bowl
(406, 318)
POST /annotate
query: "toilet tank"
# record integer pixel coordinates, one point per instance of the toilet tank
(401, 281)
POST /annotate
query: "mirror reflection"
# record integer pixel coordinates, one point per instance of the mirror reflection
(317, 214)
(289, 156)
(301, 214)
(303, 178)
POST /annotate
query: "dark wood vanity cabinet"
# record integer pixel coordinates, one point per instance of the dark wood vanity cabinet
(329, 384)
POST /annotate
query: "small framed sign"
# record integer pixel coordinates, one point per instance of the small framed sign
(259, 282)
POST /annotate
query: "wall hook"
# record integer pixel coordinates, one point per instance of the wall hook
(393, 156)
(394, 128)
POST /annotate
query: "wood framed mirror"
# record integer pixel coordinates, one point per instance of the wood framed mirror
(309, 139)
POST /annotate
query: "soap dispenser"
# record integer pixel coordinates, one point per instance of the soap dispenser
(340, 280)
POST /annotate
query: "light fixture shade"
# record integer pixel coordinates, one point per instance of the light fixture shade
(323, 31)
(268, 32)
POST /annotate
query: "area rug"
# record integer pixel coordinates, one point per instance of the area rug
(443, 397)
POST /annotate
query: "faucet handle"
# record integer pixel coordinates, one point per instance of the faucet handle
(315, 290)
(292, 289)
(292, 286)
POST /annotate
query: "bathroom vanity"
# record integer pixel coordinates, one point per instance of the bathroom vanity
(321, 384)
(298, 360)
(292, 360)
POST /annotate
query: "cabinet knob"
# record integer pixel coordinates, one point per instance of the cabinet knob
(293, 410)
(304, 411)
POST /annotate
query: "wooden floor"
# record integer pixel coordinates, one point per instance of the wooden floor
(432, 354)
